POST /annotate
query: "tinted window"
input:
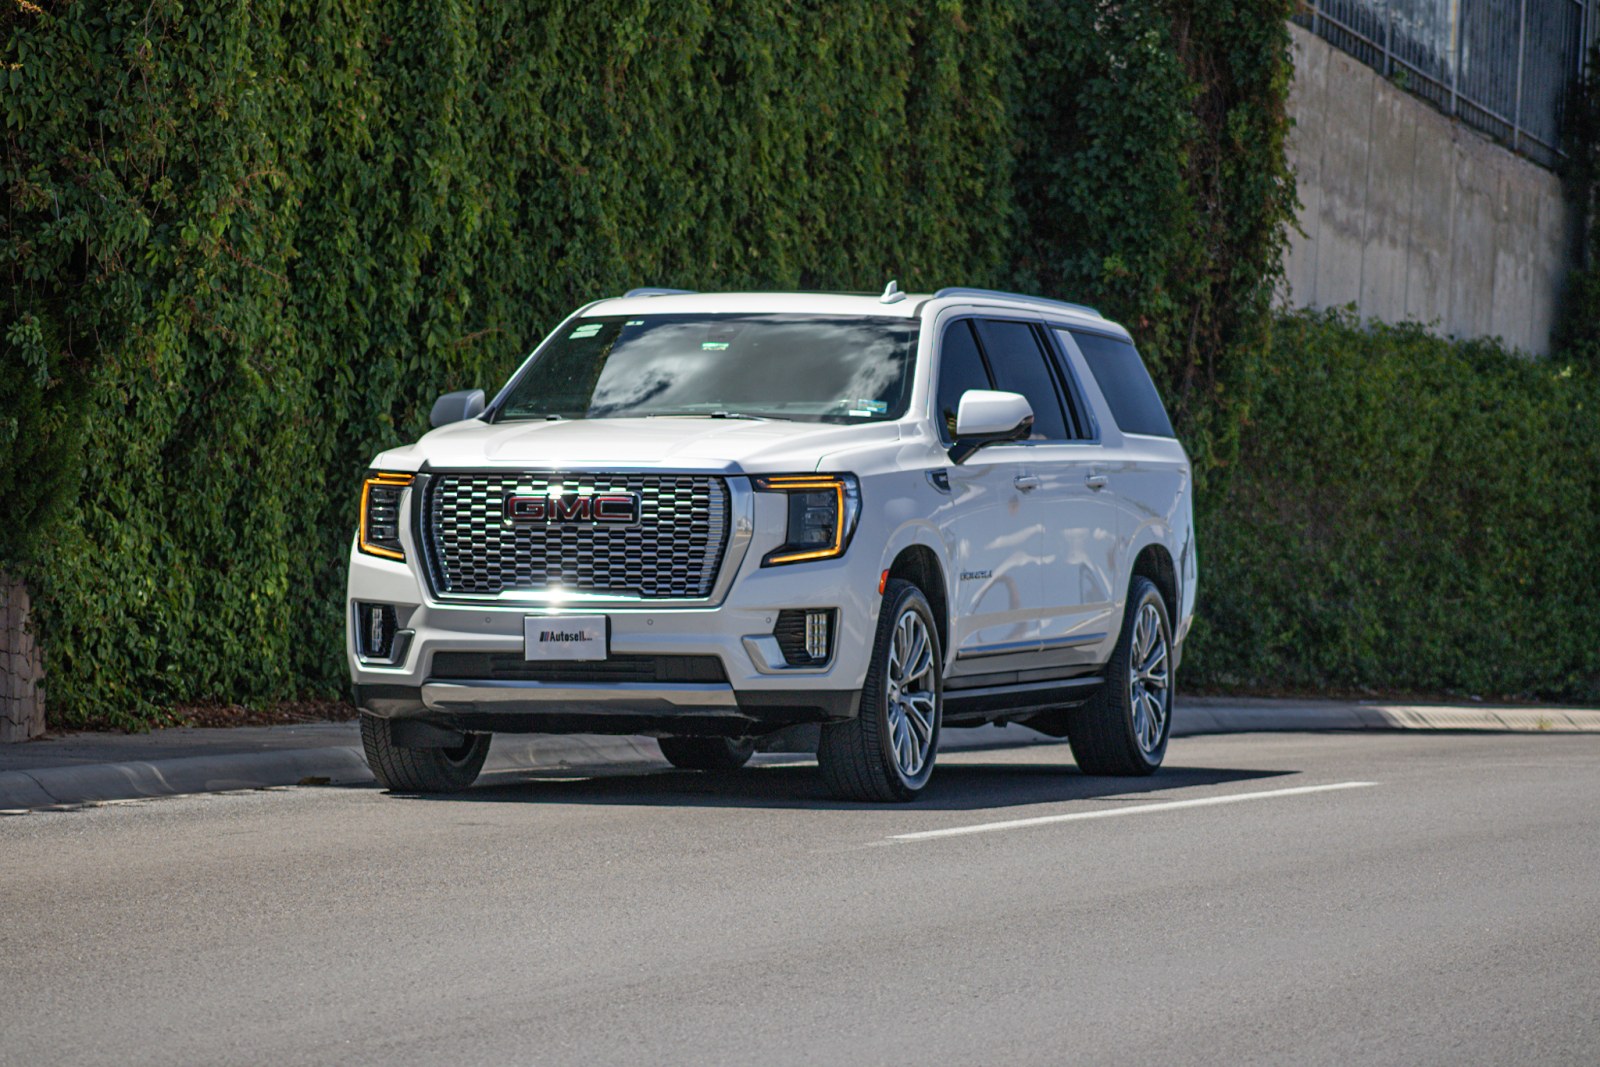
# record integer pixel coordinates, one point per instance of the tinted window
(960, 368)
(1019, 367)
(1131, 394)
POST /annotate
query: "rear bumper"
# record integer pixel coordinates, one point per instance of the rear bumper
(685, 708)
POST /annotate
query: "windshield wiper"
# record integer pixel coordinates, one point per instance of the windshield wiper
(713, 415)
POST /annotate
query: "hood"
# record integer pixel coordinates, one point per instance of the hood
(730, 446)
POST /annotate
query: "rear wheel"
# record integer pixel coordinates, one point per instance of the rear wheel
(886, 752)
(1123, 729)
(707, 753)
(420, 770)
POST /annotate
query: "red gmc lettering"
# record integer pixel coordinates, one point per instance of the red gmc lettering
(600, 507)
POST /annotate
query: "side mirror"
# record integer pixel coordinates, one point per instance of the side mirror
(457, 407)
(987, 416)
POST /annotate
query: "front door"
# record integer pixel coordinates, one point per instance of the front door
(992, 527)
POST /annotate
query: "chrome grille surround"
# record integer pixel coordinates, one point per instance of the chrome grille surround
(674, 551)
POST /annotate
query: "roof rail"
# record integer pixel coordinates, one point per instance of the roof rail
(656, 292)
(962, 290)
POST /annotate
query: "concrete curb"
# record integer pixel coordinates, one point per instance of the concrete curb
(344, 764)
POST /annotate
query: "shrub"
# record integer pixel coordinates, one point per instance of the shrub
(1408, 513)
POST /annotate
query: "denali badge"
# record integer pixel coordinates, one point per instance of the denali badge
(609, 508)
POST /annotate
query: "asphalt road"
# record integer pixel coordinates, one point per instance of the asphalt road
(1447, 913)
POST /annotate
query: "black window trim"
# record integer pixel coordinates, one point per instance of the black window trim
(983, 357)
(1069, 375)
(1127, 339)
(1032, 325)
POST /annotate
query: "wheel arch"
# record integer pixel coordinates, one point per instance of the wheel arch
(1155, 563)
(919, 564)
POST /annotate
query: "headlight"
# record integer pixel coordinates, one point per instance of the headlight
(380, 514)
(823, 509)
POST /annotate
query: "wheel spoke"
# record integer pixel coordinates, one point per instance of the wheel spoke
(913, 657)
(919, 722)
(1155, 658)
(1155, 716)
(922, 665)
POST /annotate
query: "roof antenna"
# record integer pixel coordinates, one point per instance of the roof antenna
(891, 293)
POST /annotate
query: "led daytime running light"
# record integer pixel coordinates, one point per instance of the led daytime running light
(381, 480)
(845, 494)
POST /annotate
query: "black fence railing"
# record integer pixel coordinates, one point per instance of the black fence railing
(1502, 66)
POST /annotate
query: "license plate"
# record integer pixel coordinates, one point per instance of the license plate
(547, 637)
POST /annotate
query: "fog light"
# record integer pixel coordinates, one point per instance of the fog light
(805, 635)
(817, 634)
(375, 630)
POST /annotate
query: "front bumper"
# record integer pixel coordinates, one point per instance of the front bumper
(689, 709)
(756, 691)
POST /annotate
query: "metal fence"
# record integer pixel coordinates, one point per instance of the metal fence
(1502, 66)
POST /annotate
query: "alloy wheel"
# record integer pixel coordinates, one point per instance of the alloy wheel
(911, 693)
(1149, 690)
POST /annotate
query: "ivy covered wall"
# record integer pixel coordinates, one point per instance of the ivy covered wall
(245, 245)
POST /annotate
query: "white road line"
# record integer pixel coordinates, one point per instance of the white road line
(1142, 809)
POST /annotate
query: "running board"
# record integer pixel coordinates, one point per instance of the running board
(991, 701)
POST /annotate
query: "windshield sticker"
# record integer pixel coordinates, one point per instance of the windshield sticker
(634, 322)
(713, 346)
(586, 330)
(876, 407)
(859, 414)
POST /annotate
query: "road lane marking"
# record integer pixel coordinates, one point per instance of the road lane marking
(1142, 809)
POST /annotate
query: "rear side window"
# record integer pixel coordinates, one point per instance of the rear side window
(960, 368)
(1019, 367)
(1131, 394)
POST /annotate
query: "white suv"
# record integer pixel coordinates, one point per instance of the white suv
(742, 520)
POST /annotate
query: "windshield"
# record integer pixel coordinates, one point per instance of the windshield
(806, 367)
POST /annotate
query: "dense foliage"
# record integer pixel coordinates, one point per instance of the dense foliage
(245, 245)
(1153, 184)
(1408, 513)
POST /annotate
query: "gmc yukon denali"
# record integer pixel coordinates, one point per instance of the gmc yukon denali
(760, 520)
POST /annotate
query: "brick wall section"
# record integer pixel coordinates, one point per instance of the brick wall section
(21, 667)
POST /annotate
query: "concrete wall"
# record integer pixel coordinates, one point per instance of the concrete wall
(1411, 216)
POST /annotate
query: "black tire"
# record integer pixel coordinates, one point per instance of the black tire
(420, 770)
(860, 759)
(707, 753)
(1108, 734)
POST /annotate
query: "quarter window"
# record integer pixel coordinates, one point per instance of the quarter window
(1122, 377)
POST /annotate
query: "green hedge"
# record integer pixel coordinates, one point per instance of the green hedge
(1408, 513)
(246, 245)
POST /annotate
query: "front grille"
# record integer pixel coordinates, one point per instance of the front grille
(674, 550)
(511, 667)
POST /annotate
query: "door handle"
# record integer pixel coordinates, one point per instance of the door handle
(1026, 482)
(1095, 481)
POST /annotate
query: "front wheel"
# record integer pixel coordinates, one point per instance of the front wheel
(886, 752)
(1123, 728)
(420, 770)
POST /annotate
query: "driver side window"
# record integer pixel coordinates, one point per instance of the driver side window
(961, 367)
